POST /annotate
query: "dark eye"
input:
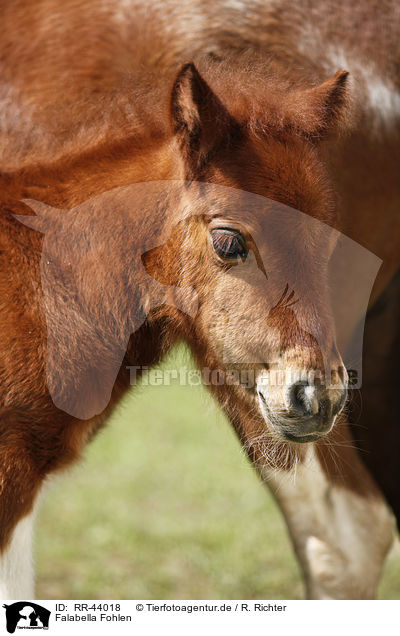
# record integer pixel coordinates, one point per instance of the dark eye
(229, 244)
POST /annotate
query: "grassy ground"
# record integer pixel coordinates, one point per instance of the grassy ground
(165, 506)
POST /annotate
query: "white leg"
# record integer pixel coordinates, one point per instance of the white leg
(340, 537)
(16, 563)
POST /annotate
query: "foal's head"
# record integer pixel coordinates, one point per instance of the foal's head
(258, 212)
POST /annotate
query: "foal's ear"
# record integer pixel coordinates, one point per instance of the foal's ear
(327, 104)
(199, 119)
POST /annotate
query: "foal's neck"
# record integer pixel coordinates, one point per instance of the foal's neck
(73, 179)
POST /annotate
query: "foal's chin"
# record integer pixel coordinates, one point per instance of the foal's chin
(301, 430)
(294, 435)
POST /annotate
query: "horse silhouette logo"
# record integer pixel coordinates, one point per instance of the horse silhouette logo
(108, 264)
(26, 615)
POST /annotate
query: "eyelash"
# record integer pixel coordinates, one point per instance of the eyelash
(229, 244)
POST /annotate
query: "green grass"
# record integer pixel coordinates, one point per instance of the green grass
(165, 505)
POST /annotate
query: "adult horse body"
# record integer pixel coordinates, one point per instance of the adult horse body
(89, 106)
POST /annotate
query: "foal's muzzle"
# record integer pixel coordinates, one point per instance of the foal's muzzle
(309, 411)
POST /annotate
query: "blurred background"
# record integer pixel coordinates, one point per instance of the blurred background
(165, 505)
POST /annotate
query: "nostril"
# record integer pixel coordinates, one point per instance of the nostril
(303, 398)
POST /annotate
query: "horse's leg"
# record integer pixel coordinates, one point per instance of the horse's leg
(16, 563)
(30, 450)
(339, 523)
(20, 485)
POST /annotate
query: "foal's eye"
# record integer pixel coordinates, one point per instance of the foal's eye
(229, 244)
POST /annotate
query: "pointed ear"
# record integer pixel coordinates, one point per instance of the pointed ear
(157, 263)
(44, 215)
(200, 121)
(326, 105)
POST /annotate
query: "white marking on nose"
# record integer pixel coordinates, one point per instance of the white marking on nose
(310, 394)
